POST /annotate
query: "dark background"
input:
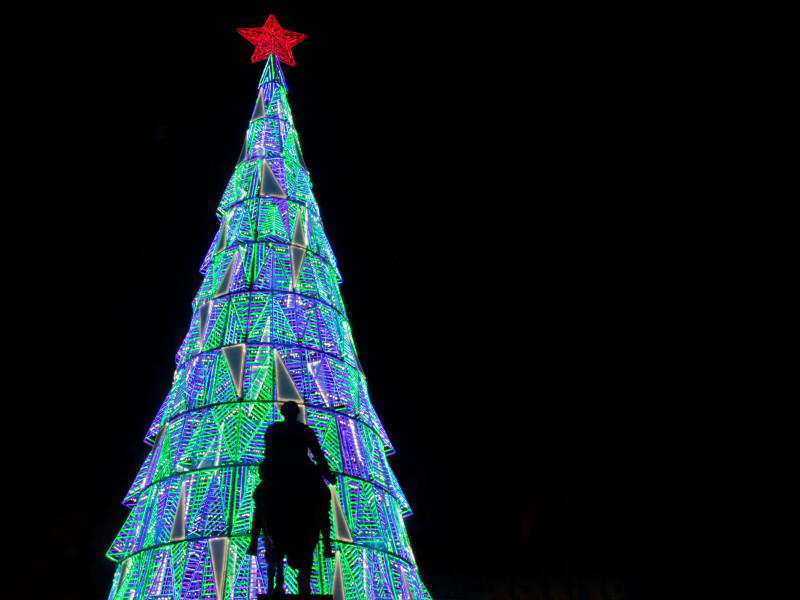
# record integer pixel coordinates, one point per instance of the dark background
(564, 264)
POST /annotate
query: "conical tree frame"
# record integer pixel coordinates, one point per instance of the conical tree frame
(268, 325)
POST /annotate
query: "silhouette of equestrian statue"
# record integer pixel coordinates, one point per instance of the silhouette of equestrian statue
(291, 501)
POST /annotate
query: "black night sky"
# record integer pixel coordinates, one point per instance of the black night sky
(566, 290)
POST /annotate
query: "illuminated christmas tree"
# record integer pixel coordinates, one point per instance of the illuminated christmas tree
(268, 325)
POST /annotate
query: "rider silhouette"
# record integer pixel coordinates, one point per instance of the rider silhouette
(292, 501)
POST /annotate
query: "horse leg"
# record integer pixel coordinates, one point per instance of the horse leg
(255, 530)
(304, 581)
(270, 578)
(269, 554)
(325, 527)
(269, 557)
(311, 536)
(278, 573)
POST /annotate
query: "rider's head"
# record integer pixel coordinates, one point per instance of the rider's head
(290, 410)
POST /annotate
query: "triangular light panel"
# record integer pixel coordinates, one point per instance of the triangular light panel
(243, 153)
(205, 312)
(299, 245)
(358, 364)
(225, 285)
(342, 529)
(258, 111)
(285, 389)
(269, 186)
(218, 548)
(222, 242)
(337, 584)
(179, 522)
(123, 571)
(234, 357)
(406, 587)
(300, 156)
(298, 256)
(299, 238)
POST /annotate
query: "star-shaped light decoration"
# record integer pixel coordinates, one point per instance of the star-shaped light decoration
(272, 39)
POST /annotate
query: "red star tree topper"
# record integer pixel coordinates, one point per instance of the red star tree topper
(272, 39)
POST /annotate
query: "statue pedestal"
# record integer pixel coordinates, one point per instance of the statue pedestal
(295, 597)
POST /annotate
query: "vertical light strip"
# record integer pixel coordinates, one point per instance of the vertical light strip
(218, 547)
